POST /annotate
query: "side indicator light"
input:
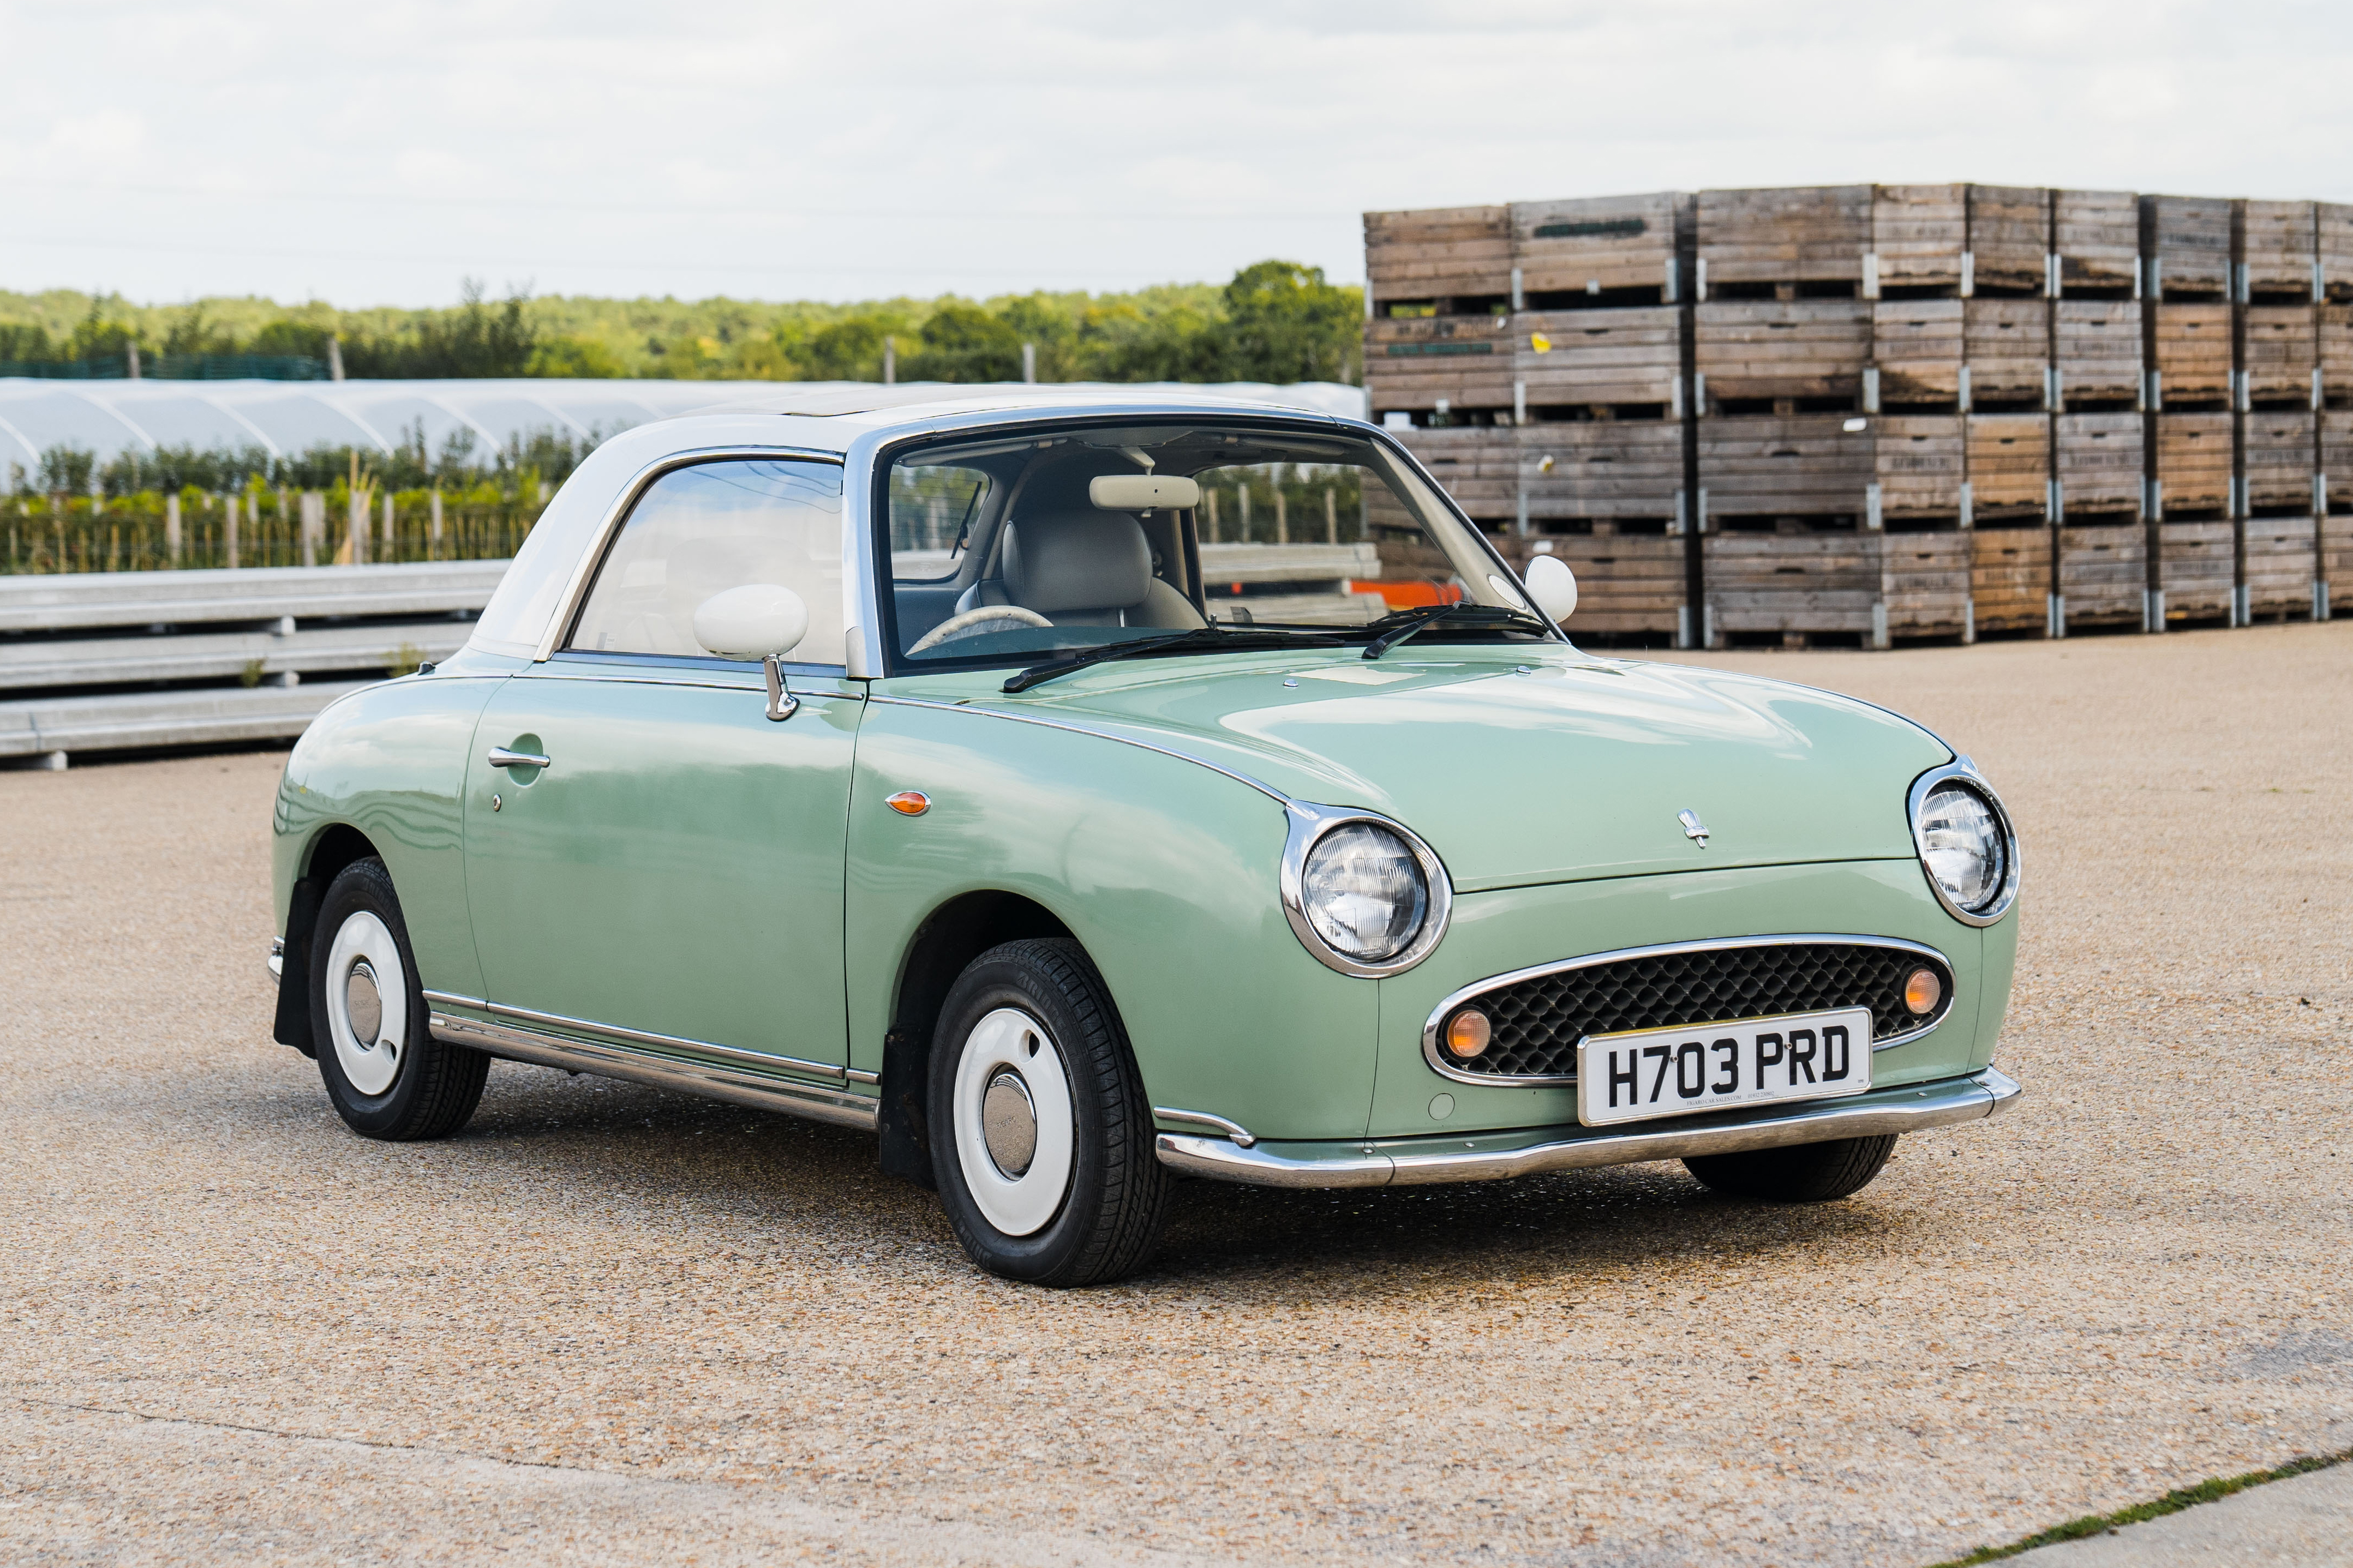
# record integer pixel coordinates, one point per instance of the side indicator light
(1468, 1032)
(1922, 992)
(909, 803)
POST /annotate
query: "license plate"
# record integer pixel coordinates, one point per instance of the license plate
(1693, 1069)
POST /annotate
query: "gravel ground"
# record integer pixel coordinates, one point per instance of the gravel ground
(611, 1324)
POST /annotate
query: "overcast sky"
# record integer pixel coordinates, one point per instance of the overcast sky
(376, 154)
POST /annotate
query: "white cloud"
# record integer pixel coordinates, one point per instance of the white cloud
(852, 151)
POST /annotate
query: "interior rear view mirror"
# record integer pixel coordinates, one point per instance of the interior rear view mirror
(1142, 493)
(1553, 586)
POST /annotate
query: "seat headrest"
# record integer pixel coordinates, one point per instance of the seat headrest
(1087, 561)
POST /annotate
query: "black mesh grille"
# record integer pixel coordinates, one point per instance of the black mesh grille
(1538, 1022)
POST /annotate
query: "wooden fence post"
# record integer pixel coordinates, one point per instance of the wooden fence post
(433, 538)
(355, 528)
(1282, 517)
(387, 553)
(171, 526)
(228, 533)
(1331, 516)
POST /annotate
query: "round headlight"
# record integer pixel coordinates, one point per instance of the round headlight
(1964, 846)
(1363, 890)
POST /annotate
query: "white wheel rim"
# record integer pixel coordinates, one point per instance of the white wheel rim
(1011, 1039)
(365, 958)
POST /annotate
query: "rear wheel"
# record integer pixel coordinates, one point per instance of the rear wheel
(385, 1073)
(1801, 1174)
(1042, 1142)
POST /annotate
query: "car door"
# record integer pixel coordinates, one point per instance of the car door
(671, 879)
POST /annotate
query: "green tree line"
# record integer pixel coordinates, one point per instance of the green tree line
(1275, 322)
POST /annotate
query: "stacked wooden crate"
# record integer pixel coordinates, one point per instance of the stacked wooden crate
(1444, 369)
(1598, 248)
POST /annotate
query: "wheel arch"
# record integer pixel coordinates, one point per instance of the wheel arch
(944, 944)
(334, 846)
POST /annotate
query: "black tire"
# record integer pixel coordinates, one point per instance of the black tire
(1801, 1174)
(1115, 1196)
(432, 1087)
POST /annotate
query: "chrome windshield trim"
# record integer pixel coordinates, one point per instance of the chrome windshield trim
(518, 1044)
(1912, 1107)
(1267, 790)
(1233, 1130)
(1962, 771)
(666, 1042)
(1477, 988)
(575, 587)
(1308, 826)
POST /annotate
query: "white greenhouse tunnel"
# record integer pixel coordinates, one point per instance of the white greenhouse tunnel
(287, 418)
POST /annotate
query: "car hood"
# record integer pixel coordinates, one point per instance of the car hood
(1535, 769)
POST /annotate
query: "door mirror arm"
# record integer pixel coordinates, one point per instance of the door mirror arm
(782, 703)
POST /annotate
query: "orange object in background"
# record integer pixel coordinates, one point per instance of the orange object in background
(1408, 596)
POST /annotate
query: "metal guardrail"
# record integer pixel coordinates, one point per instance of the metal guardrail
(218, 658)
(116, 660)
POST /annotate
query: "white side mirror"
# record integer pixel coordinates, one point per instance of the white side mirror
(759, 620)
(1552, 585)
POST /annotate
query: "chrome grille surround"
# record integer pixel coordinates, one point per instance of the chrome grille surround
(1539, 1014)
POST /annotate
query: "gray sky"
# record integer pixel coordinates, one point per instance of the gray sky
(375, 154)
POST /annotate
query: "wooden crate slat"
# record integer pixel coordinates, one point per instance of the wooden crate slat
(1795, 348)
(1630, 356)
(2008, 344)
(1808, 232)
(2282, 350)
(2099, 462)
(1625, 583)
(2104, 573)
(2098, 238)
(2009, 462)
(2280, 566)
(1617, 242)
(2196, 569)
(1919, 233)
(2009, 233)
(2280, 458)
(2336, 455)
(2280, 246)
(2193, 350)
(2098, 349)
(2009, 577)
(2193, 243)
(1602, 469)
(1439, 252)
(2193, 461)
(1919, 462)
(1917, 345)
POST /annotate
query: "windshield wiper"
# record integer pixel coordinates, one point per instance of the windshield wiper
(1199, 636)
(1461, 610)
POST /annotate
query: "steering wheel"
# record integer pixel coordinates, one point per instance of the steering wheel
(957, 626)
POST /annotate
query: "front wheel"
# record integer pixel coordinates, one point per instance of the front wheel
(385, 1073)
(1042, 1140)
(1800, 1173)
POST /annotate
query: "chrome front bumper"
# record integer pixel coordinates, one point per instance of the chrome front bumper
(1489, 1157)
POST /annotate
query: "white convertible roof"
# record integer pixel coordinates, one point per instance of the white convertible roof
(285, 418)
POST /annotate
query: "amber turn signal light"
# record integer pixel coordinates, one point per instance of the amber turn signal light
(1923, 992)
(909, 803)
(1468, 1032)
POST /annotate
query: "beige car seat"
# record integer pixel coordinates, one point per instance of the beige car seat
(1083, 569)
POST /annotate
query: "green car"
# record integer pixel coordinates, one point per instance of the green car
(1078, 794)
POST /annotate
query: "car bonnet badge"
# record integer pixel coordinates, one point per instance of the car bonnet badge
(1693, 828)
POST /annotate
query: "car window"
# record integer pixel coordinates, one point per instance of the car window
(1273, 527)
(932, 509)
(699, 530)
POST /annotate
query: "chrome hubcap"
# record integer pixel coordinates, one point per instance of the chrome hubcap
(363, 1003)
(1009, 1123)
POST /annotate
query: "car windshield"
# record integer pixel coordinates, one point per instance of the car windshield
(1056, 541)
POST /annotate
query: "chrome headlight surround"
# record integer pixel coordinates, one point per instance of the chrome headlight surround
(1309, 825)
(1963, 773)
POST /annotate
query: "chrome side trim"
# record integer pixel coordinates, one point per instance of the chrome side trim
(592, 555)
(1477, 988)
(518, 1044)
(1233, 1130)
(451, 999)
(666, 1042)
(1961, 769)
(1267, 790)
(1912, 1109)
(1309, 824)
(276, 958)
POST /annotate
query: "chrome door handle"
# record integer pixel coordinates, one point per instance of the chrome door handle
(502, 758)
